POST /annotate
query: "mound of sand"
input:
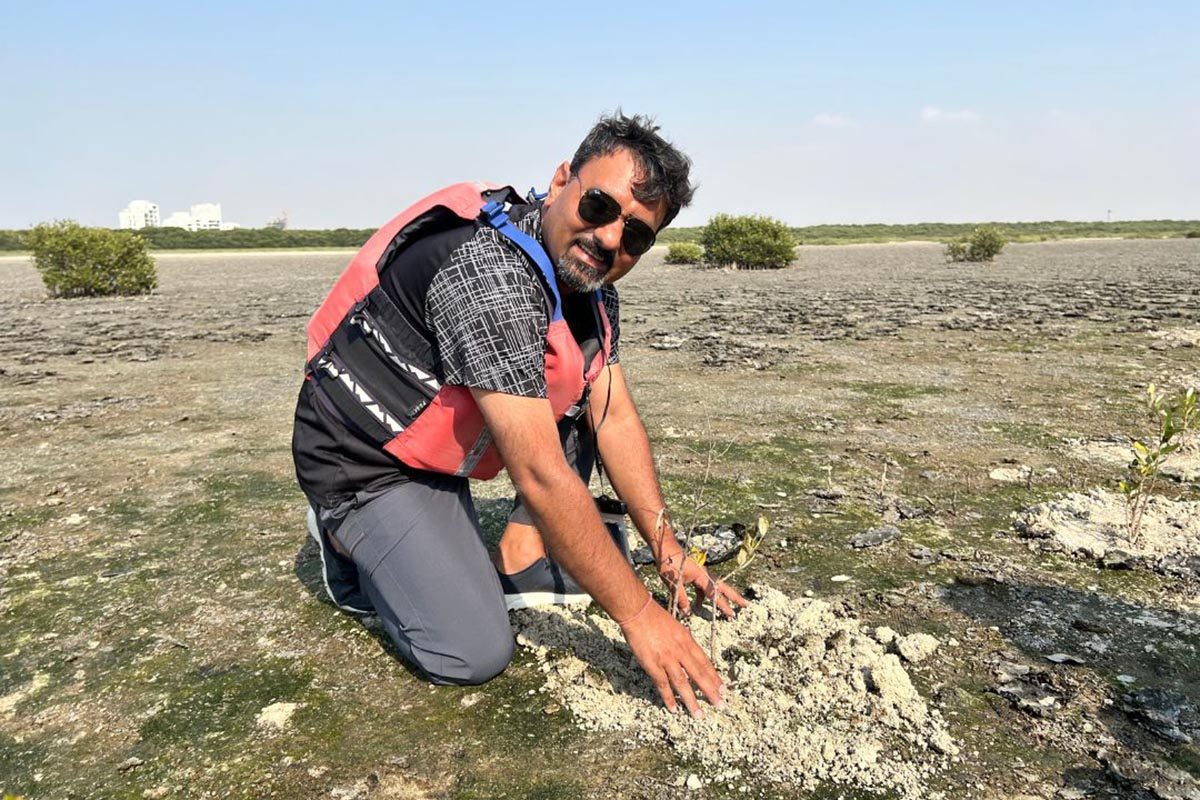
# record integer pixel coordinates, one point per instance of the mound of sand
(1094, 525)
(811, 696)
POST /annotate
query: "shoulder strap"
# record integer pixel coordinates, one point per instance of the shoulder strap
(493, 214)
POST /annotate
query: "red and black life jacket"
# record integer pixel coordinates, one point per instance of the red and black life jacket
(365, 362)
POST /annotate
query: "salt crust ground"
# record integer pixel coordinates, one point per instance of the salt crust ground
(1094, 524)
(1182, 465)
(1179, 337)
(811, 696)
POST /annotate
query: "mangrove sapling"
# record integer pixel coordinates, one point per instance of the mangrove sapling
(1175, 418)
(674, 577)
(751, 542)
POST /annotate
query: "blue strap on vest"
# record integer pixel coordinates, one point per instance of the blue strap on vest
(494, 215)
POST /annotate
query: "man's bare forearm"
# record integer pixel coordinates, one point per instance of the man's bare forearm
(563, 510)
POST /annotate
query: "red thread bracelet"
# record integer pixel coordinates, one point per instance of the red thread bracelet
(638, 613)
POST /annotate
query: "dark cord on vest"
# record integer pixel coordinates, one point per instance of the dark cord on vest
(597, 425)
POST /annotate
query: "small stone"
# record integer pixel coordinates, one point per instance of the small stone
(840, 578)
(1117, 559)
(916, 647)
(885, 635)
(694, 782)
(75, 519)
(470, 700)
(1127, 679)
(130, 763)
(875, 537)
(276, 715)
(1065, 658)
(157, 793)
(1008, 474)
(922, 553)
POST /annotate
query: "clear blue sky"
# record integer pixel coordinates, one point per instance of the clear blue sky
(343, 113)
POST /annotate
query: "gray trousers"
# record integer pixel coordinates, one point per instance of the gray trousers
(418, 556)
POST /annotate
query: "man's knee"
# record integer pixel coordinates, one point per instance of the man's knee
(475, 662)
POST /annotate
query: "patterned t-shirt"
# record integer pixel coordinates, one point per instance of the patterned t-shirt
(487, 312)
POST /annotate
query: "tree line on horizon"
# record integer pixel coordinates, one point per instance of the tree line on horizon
(269, 238)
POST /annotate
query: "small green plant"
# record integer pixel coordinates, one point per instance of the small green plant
(1192, 235)
(748, 242)
(751, 542)
(982, 244)
(1175, 418)
(684, 253)
(76, 261)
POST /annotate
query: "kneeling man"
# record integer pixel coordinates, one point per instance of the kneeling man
(478, 330)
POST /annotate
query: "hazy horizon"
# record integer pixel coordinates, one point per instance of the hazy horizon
(856, 115)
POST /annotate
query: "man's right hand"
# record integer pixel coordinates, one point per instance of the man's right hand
(673, 660)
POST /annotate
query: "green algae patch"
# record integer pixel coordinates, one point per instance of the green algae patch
(895, 391)
(19, 763)
(222, 701)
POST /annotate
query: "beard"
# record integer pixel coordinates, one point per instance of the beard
(580, 275)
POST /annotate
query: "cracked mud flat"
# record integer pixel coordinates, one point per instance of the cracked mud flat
(811, 697)
(156, 598)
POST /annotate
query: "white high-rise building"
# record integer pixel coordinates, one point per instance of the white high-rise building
(140, 214)
(201, 217)
(178, 219)
(206, 216)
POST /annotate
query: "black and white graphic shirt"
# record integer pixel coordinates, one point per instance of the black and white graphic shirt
(487, 312)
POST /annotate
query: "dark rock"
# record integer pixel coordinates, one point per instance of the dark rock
(924, 555)
(1159, 711)
(1118, 559)
(1089, 627)
(875, 537)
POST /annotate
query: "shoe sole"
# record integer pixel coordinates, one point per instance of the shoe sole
(515, 602)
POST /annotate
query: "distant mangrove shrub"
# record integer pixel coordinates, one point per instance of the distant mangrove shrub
(982, 244)
(76, 261)
(747, 242)
(1192, 235)
(685, 253)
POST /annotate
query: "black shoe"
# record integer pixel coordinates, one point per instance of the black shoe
(545, 583)
(338, 573)
(542, 583)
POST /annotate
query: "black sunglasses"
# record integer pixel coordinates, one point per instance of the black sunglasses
(597, 207)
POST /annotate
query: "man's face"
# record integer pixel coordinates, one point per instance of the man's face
(587, 256)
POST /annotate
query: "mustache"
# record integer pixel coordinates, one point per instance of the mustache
(597, 251)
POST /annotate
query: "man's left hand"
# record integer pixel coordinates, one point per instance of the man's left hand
(707, 587)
